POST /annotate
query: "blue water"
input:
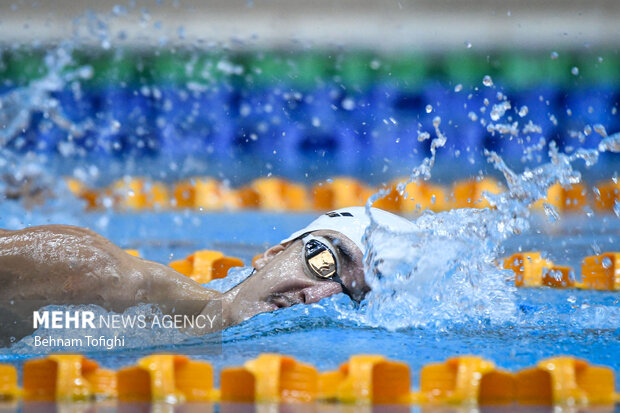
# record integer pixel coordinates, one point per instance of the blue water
(545, 323)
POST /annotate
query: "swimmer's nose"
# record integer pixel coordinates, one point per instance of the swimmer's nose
(317, 292)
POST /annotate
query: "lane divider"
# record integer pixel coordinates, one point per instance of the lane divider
(279, 194)
(598, 272)
(167, 378)
(206, 265)
(367, 379)
(270, 378)
(67, 378)
(276, 378)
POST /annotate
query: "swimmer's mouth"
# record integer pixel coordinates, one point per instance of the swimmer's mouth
(284, 301)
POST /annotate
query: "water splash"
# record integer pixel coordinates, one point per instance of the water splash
(18, 105)
(445, 273)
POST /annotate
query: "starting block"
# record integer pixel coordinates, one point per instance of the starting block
(565, 381)
(528, 267)
(270, 378)
(166, 378)
(367, 379)
(206, 265)
(466, 380)
(67, 378)
(601, 272)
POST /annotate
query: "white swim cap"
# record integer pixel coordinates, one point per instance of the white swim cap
(352, 222)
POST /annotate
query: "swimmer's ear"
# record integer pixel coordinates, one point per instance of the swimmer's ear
(269, 255)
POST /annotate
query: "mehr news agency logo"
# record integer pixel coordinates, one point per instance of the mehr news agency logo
(64, 320)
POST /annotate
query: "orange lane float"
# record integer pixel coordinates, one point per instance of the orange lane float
(367, 379)
(565, 381)
(339, 193)
(466, 380)
(166, 378)
(529, 268)
(135, 193)
(470, 193)
(570, 199)
(67, 378)
(415, 197)
(601, 272)
(210, 194)
(277, 194)
(9, 390)
(80, 190)
(270, 378)
(206, 265)
(559, 277)
(606, 195)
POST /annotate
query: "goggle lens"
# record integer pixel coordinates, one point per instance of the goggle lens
(320, 259)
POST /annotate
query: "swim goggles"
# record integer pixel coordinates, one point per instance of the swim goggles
(321, 260)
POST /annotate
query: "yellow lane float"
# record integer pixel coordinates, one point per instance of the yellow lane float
(167, 378)
(606, 195)
(470, 193)
(466, 380)
(601, 272)
(565, 381)
(9, 390)
(367, 379)
(206, 265)
(270, 378)
(67, 378)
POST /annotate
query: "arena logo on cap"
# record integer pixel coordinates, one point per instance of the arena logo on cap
(334, 214)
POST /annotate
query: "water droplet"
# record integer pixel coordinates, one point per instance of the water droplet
(316, 122)
(348, 104)
(600, 59)
(554, 55)
(487, 81)
(575, 71)
(429, 108)
(606, 262)
(523, 111)
(468, 45)
(458, 88)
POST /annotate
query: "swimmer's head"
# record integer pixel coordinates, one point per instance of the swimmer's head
(322, 259)
(352, 223)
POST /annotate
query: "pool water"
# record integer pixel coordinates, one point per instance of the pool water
(437, 291)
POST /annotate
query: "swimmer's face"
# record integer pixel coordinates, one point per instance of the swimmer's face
(282, 278)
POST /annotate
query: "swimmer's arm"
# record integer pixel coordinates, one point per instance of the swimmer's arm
(62, 264)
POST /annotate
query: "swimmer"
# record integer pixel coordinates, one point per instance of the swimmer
(59, 264)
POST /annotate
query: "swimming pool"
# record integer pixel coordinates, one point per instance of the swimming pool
(100, 114)
(545, 322)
